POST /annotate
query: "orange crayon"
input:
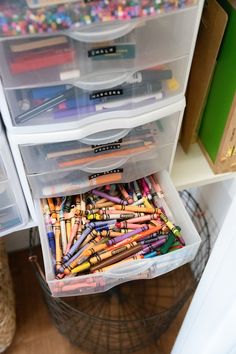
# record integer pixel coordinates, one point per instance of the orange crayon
(138, 209)
(58, 245)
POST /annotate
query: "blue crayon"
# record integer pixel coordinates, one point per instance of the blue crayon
(151, 254)
(51, 240)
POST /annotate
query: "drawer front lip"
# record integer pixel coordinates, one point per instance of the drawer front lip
(44, 185)
(139, 269)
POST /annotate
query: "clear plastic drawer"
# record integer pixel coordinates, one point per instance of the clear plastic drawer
(89, 19)
(102, 150)
(56, 60)
(63, 107)
(82, 179)
(126, 271)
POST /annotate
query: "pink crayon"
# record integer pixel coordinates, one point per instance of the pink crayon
(144, 218)
(127, 225)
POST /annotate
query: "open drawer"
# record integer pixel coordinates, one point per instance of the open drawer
(13, 210)
(90, 20)
(93, 282)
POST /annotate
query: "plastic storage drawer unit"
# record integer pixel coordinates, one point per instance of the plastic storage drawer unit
(87, 18)
(56, 83)
(74, 166)
(13, 210)
(135, 269)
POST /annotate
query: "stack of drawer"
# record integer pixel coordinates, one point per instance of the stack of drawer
(94, 95)
(13, 210)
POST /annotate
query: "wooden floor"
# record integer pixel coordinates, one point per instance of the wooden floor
(35, 332)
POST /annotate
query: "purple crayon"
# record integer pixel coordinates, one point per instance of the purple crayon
(127, 235)
(109, 197)
(153, 246)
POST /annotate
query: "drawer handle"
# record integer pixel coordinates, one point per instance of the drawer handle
(105, 33)
(128, 270)
(105, 137)
(99, 169)
(103, 81)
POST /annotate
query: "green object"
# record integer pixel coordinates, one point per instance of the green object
(170, 241)
(222, 89)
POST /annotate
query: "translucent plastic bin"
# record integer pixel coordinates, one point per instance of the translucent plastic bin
(6, 195)
(13, 210)
(138, 269)
(101, 149)
(61, 59)
(90, 19)
(63, 107)
(82, 179)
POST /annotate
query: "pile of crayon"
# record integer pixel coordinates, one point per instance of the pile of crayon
(17, 18)
(109, 226)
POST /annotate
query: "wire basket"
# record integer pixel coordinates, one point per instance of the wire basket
(133, 315)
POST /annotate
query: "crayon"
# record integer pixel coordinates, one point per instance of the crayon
(130, 259)
(128, 225)
(95, 249)
(100, 257)
(129, 234)
(123, 191)
(76, 245)
(153, 246)
(117, 258)
(137, 209)
(58, 245)
(108, 197)
(137, 190)
(68, 230)
(52, 209)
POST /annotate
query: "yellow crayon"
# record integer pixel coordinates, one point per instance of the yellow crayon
(96, 248)
(146, 203)
(74, 263)
(68, 229)
(94, 217)
(81, 268)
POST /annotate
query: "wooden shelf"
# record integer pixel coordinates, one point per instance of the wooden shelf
(192, 169)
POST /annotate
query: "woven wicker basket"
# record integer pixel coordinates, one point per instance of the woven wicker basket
(7, 304)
